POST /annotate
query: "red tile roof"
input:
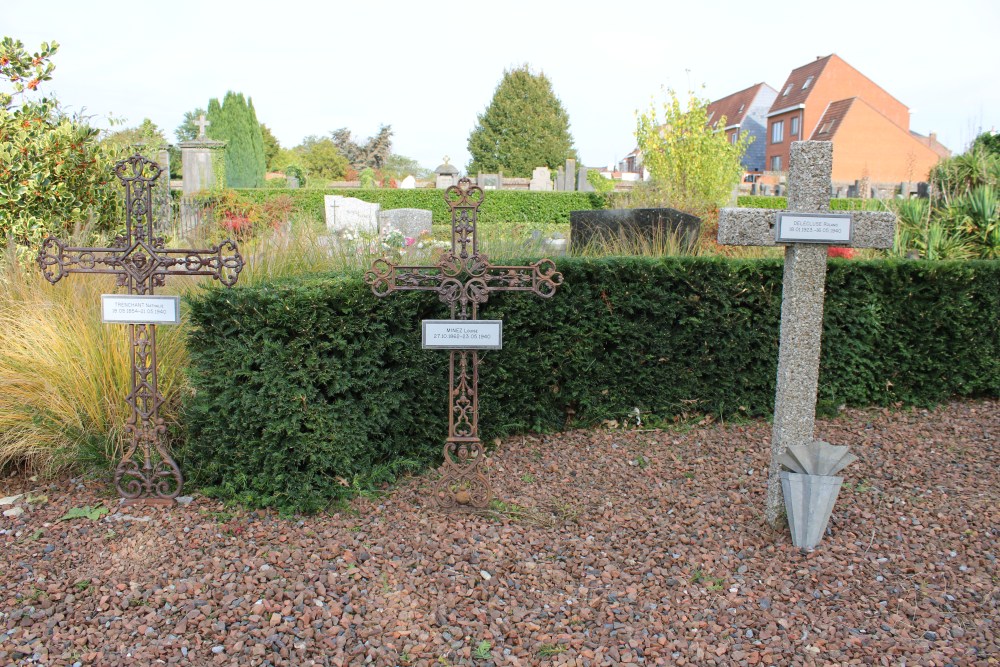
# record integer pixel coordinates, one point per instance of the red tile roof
(734, 107)
(830, 121)
(796, 93)
(932, 143)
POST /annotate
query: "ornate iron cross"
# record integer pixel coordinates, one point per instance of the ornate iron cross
(141, 263)
(464, 279)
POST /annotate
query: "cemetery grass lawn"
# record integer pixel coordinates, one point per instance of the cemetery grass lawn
(606, 547)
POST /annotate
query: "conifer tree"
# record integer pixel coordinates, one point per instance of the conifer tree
(235, 122)
(525, 126)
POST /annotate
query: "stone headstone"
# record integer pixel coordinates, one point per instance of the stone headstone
(802, 295)
(582, 184)
(408, 183)
(446, 175)
(409, 221)
(631, 225)
(569, 180)
(541, 179)
(198, 159)
(350, 214)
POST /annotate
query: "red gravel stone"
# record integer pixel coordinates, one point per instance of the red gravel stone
(615, 548)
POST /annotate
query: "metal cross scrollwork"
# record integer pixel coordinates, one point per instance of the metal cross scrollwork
(464, 279)
(141, 262)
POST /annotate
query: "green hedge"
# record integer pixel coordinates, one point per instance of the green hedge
(304, 386)
(844, 204)
(500, 206)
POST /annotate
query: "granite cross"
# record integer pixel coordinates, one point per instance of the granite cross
(201, 123)
(140, 262)
(806, 235)
(464, 279)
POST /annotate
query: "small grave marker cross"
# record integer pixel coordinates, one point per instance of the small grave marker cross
(140, 262)
(803, 287)
(464, 279)
(202, 123)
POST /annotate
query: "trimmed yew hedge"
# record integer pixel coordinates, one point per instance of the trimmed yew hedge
(781, 203)
(306, 389)
(501, 206)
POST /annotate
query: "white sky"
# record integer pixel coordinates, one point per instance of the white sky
(428, 68)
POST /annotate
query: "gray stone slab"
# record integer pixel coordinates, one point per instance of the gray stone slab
(541, 179)
(409, 221)
(351, 214)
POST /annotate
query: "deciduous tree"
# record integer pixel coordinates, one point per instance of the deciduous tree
(693, 165)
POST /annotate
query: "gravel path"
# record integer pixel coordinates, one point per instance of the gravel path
(612, 547)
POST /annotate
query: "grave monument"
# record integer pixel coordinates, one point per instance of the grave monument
(141, 262)
(463, 279)
(806, 230)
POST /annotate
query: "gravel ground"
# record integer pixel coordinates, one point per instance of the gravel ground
(612, 547)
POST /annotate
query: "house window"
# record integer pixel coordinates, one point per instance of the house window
(793, 130)
(778, 132)
(827, 126)
(787, 90)
(742, 106)
(775, 163)
(806, 84)
(733, 136)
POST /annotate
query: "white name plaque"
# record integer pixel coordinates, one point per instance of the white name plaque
(813, 228)
(462, 334)
(122, 309)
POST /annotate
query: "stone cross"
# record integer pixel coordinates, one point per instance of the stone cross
(140, 262)
(201, 123)
(803, 289)
(464, 279)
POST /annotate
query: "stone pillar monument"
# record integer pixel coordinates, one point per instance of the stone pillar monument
(447, 175)
(198, 159)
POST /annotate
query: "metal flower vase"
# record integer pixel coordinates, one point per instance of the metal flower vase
(810, 487)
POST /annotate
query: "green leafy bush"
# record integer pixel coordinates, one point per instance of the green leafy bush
(307, 390)
(54, 174)
(502, 207)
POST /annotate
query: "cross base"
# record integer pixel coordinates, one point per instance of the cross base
(463, 486)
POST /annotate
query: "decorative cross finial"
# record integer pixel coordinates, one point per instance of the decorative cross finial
(201, 123)
(446, 158)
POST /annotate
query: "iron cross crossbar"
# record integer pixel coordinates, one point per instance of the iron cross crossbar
(464, 279)
(803, 289)
(141, 263)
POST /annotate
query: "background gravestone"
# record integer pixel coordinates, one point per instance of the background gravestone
(541, 179)
(409, 221)
(198, 160)
(350, 214)
(631, 225)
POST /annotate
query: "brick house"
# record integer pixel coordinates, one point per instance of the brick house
(828, 100)
(746, 112)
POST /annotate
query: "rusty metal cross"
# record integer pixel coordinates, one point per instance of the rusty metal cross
(464, 279)
(141, 263)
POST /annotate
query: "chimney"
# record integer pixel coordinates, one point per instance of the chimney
(933, 137)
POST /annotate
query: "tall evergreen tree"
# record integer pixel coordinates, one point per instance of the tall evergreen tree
(257, 141)
(235, 122)
(525, 126)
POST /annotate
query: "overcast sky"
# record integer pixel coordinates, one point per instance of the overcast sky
(429, 68)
